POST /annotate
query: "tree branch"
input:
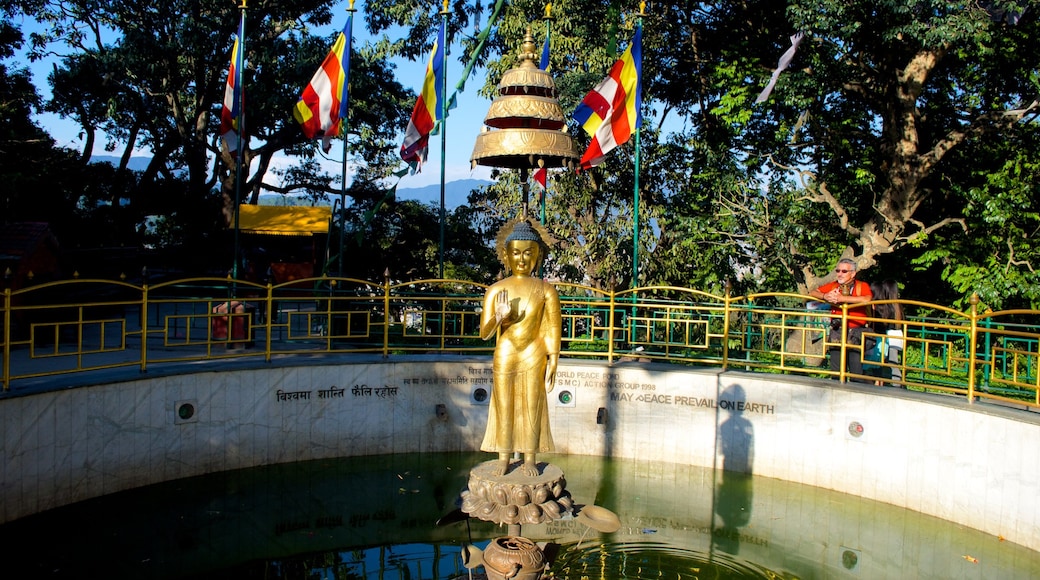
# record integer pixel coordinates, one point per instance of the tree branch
(1012, 262)
(820, 194)
(979, 126)
(925, 230)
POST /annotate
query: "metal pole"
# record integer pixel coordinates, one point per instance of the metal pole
(525, 191)
(345, 124)
(635, 219)
(635, 195)
(548, 32)
(444, 130)
(545, 194)
(239, 61)
(973, 345)
(5, 373)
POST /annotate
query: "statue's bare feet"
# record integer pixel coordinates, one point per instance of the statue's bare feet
(529, 468)
(501, 466)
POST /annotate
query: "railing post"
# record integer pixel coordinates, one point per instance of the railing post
(987, 348)
(269, 320)
(144, 328)
(386, 313)
(844, 342)
(725, 324)
(444, 323)
(7, 339)
(749, 327)
(973, 345)
(328, 312)
(610, 330)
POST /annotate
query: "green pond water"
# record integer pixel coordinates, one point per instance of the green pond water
(377, 517)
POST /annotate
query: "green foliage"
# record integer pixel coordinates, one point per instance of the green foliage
(850, 154)
(903, 133)
(404, 238)
(152, 77)
(995, 255)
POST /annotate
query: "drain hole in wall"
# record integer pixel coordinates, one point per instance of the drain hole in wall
(185, 412)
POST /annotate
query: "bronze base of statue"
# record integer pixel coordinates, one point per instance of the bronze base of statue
(515, 498)
(514, 558)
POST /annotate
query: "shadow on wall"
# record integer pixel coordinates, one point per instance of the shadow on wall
(607, 419)
(733, 494)
(736, 434)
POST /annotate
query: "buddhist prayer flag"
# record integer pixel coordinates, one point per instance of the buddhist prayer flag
(323, 103)
(544, 64)
(427, 111)
(540, 176)
(610, 113)
(231, 112)
(475, 55)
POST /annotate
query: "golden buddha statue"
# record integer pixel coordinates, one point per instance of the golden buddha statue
(525, 312)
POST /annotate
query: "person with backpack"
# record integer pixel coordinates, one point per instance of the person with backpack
(888, 320)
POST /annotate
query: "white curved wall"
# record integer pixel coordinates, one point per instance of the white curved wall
(976, 465)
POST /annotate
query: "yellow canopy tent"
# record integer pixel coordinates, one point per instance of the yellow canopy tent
(284, 260)
(284, 220)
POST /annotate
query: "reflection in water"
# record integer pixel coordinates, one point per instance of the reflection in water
(646, 560)
(375, 517)
(733, 506)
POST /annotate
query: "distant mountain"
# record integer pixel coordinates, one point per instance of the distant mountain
(135, 163)
(455, 192)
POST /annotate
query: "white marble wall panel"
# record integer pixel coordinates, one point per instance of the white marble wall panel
(972, 464)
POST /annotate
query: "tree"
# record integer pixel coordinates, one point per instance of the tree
(900, 133)
(871, 114)
(998, 258)
(402, 239)
(40, 181)
(856, 151)
(18, 98)
(152, 77)
(591, 215)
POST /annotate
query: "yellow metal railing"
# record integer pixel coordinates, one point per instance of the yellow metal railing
(78, 326)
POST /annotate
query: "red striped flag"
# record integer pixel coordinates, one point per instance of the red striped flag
(427, 111)
(229, 114)
(541, 176)
(611, 112)
(323, 103)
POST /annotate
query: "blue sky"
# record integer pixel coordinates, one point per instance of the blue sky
(463, 125)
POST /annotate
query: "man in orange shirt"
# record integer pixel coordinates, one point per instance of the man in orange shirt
(845, 289)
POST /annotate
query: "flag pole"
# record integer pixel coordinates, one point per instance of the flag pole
(545, 54)
(443, 104)
(635, 193)
(344, 125)
(545, 194)
(240, 59)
